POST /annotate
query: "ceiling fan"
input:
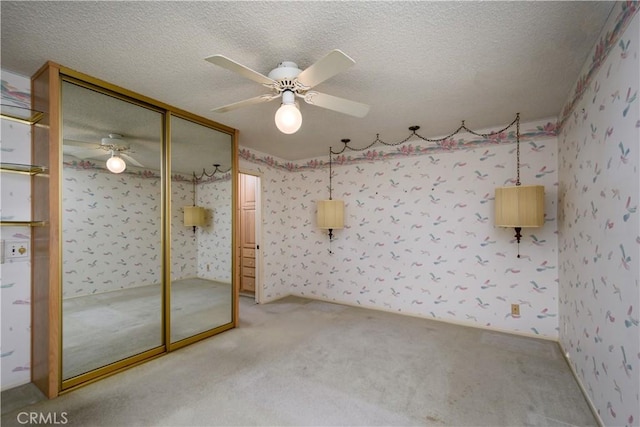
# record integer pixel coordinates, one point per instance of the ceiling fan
(288, 82)
(113, 145)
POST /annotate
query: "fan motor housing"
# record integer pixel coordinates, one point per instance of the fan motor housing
(114, 142)
(285, 70)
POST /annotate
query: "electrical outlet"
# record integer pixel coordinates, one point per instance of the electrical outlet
(14, 251)
(208, 268)
(515, 310)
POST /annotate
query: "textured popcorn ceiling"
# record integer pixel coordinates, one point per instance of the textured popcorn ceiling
(431, 64)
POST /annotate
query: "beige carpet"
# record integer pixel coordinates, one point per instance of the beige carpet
(303, 362)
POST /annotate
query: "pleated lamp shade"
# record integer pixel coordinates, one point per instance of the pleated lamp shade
(194, 216)
(519, 206)
(330, 214)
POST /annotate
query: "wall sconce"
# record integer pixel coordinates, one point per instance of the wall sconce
(330, 214)
(194, 216)
(519, 206)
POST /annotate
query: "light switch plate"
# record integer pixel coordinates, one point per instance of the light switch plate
(14, 251)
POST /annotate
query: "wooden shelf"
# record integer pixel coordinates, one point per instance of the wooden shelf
(20, 114)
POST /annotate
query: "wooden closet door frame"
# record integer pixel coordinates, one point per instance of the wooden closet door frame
(258, 227)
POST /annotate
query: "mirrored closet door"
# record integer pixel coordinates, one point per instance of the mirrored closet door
(201, 229)
(133, 257)
(112, 290)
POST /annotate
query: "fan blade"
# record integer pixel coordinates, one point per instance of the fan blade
(245, 103)
(83, 144)
(82, 149)
(231, 65)
(334, 103)
(333, 63)
(131, 160)
(81, 153)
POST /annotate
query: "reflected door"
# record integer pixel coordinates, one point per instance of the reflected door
(248, 233)
(201, 291)
(112, 245)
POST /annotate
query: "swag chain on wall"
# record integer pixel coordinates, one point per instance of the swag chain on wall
(414, 133)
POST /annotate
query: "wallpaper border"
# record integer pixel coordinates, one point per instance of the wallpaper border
(601, 52)
(141, 173)
(538, 131)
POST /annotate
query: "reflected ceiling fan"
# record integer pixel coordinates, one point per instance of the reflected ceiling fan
(288, 82)
(113, 145)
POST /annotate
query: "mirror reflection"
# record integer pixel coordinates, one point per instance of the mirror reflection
(112, 248)
(201, 212)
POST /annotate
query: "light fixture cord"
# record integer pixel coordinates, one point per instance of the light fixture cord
(345, 142)
(194, 196)
(194, 188)
(518, 149)
(210, 175)
(518, 171)
(330, 186)
(330, 173)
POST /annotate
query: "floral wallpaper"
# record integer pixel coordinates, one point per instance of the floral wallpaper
(419, 236)
(15, 204)
(419, 239)
(599, 236)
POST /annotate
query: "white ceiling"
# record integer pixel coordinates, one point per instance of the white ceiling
(430, 64)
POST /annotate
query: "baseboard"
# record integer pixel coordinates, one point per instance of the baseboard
(594, 411)
(276, 298)
(66, 298)
(449, 321)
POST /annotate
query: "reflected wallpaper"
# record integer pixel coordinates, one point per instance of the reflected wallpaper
(111, 229)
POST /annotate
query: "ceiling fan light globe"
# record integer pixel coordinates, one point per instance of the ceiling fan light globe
(115, 164)
(288, 118)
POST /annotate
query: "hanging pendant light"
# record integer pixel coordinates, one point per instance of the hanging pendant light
(194, 216)
(519, 206)
(330, 215)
